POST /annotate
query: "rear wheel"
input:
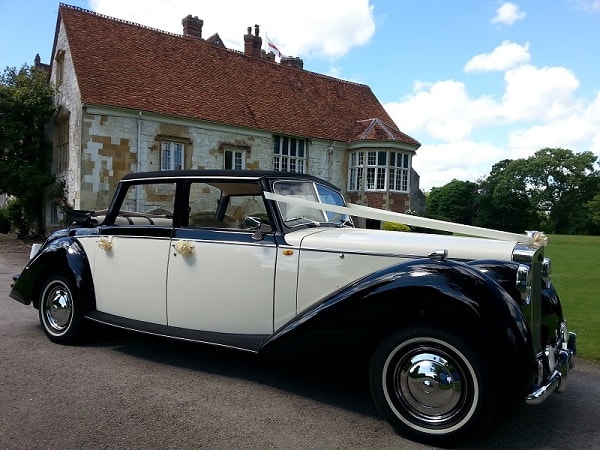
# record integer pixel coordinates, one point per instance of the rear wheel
(431, 385)
(59, 313)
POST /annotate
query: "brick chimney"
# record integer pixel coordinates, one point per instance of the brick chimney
(192, 26)
(292, 61)
(252, 43)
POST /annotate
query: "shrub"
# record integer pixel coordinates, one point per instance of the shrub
(4, 221)
(16, 213)
(392, 226)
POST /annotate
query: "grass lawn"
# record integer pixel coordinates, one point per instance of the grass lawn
(576, 276)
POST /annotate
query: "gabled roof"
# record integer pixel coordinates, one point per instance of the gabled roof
(122, 64)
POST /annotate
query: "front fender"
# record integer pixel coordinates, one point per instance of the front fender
(63, 256)
(438, 294)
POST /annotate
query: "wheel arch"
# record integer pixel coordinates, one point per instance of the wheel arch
(64, 257)
(424, 292)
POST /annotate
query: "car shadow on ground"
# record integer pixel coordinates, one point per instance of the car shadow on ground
(344, 386)
(332, 382)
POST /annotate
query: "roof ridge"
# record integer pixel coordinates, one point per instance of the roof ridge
(231, 50)
(213, 83)
(116, 19)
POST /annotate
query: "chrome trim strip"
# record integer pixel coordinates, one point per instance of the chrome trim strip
(161, 331)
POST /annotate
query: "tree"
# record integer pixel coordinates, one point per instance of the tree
(502, 202)
(26, 107)
(559, 184)
(548, 191)
(593, 207)
(453, 201)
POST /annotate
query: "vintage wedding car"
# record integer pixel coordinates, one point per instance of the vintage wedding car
(270, 263)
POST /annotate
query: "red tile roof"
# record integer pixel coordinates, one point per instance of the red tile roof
(122, 64)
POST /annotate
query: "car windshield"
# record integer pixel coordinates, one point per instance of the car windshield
(299, 214)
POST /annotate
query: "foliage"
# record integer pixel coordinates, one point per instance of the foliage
(17, 212)
(593, 207)
(26, 107)
(454, 202)
(559, 183)
(58, 193)
(392, 226)
(502, 202)
(4, 221)
(555, 190)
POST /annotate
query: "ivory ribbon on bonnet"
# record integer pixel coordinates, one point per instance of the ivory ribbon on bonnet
(535, 238)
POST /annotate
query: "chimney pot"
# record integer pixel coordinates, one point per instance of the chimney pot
(192, 26)
(292, 61)
(253, 43)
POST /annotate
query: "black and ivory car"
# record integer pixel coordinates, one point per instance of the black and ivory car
(270, 263)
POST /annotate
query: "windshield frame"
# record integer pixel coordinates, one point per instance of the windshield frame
(294, 216)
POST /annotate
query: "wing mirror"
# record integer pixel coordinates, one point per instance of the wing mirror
(256, 224)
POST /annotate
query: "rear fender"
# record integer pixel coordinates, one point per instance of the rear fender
(65, 257)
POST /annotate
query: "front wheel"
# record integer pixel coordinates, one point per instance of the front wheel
(59, 313)
(431, 385)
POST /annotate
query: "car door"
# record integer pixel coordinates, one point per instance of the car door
(129, 262)
(220, 279)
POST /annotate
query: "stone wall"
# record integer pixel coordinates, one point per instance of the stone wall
(114, 145)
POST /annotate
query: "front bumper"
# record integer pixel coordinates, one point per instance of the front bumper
(556, 363)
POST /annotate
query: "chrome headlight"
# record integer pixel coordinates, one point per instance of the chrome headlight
(546, 273)
(523, 283)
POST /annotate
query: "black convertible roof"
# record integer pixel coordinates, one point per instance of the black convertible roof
(224, 174)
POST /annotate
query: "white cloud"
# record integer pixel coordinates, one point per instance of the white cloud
(507, 14)
(338, 26)
(442, 111)
(438, 164)
(505, 56)
(539, 108)
(535, 93)
(589, 5)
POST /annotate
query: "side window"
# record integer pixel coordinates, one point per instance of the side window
(242, 206)
(148, 204)
(203, 203)
(224, 205)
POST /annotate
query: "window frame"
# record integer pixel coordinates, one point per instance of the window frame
(290, 154)
(61, 143)
(378, 170)
(172, 165)
(234, 154)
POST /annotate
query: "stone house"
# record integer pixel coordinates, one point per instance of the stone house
(133, 98)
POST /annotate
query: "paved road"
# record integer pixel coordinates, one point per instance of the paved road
(128, 391)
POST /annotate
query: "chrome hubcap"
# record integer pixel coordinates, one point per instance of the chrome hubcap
(58, 308)
(429, 384)
(428, 387)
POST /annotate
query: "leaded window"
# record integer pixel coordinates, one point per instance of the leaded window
(379, 170)
(171, 155)
(289, 154)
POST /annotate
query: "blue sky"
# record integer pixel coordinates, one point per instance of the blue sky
(475, 82)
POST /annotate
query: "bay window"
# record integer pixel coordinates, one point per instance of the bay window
(379, 170)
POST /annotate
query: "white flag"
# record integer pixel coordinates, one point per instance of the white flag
(271, 47)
